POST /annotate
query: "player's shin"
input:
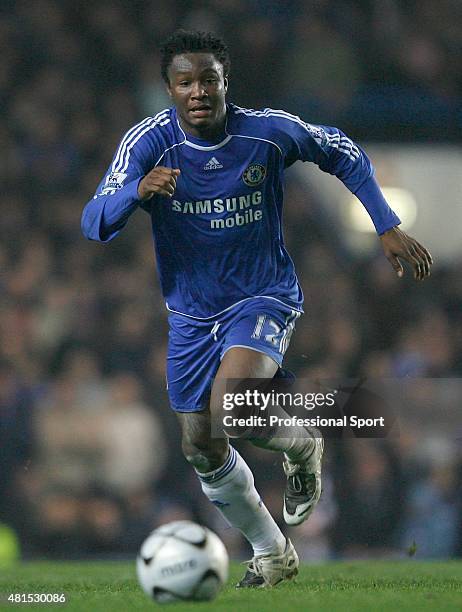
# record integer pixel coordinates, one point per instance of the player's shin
(231, 489)
(296, 449)
(297, 442)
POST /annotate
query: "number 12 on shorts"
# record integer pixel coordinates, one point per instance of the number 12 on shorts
(271, 338)
(278, 336)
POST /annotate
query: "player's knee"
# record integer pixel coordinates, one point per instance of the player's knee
(205, 456)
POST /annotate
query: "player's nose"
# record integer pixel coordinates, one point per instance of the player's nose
(198, 90)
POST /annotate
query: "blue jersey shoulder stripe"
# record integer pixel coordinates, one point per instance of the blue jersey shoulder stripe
(132, 133)
(163, 120)
(343, 144)
(335, 141)
(159, 119)
(126, 138)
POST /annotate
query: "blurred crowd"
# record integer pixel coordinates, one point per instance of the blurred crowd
(90, 458)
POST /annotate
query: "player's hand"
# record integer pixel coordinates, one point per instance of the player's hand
(160, 181)
(398, 245)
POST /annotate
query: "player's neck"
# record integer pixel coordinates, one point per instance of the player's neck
(211, 133)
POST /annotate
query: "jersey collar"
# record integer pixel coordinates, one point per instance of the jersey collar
(201, 144)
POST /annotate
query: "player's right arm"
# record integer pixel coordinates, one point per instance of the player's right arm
(129, 181)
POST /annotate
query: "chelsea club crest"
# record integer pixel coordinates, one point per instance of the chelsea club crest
(254, 175)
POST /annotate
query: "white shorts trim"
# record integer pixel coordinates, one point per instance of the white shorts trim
(214, 316)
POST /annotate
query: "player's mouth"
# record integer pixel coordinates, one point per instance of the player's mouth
(203, 110)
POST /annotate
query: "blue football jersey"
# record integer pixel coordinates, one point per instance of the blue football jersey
(219, 238)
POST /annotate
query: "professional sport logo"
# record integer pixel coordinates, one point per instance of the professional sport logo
(254, 175)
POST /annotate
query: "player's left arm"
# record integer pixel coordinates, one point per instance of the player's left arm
(337, 154)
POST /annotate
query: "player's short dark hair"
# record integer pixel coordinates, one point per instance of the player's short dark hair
(191, 41)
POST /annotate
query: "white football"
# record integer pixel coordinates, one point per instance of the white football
(182, 561)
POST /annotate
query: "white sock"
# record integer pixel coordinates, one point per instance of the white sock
(231, 489)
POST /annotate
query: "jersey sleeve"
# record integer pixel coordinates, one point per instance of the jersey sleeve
(116, 197)
(335, 153)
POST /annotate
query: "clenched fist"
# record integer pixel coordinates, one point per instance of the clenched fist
(160, 180)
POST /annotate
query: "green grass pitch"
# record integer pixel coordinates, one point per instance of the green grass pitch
(364, 586)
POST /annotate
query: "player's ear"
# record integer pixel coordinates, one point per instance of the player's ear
(225, 80)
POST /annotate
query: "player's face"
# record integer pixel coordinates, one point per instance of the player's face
(198, 87)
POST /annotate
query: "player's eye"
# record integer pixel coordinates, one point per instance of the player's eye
(184, 83)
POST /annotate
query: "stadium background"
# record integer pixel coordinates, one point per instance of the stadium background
(89, 451)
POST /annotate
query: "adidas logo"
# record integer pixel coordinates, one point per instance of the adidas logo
(213, 164)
